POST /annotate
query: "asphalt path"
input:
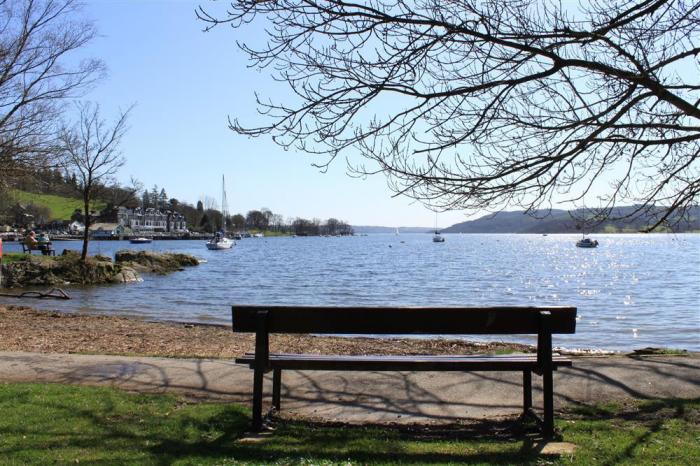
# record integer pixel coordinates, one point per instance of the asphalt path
(404, 397)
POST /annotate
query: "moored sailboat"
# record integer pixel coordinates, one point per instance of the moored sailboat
(437, 237)
(220, 241)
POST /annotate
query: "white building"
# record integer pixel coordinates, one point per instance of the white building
(151, 220)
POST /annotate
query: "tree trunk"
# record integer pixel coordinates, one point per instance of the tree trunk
(86, 233)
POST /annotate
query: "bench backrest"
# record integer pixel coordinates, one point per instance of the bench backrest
(403, 320)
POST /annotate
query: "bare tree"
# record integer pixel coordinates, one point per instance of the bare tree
(481, 104)
(91, 151)
(210, 203)
(119, 195)
(38, 74)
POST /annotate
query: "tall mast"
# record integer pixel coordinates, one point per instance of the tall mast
(223, 204)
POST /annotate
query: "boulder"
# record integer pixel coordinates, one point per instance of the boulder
(65, 269)
(127, 275)
(154, 262)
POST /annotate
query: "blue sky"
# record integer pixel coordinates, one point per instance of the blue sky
(184, 84)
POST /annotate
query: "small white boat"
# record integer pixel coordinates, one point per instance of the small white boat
(140, 240)
(259, 235)
(587, 243)
(220, 242)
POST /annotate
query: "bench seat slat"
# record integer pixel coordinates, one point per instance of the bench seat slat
(295, 356)
(403, 363)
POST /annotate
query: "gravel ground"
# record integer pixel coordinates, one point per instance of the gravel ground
(27, 329)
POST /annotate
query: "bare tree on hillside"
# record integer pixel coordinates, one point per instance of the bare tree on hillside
(90, 149)
(478, 104)
(38, 40)
(210, 203)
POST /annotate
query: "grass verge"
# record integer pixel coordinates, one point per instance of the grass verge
(10, 257)
(61, 207)
(48, 424)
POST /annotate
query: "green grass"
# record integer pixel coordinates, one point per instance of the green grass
(661, 352)
(61, 207)
(268, 233)
(49, 424)
(10, 257)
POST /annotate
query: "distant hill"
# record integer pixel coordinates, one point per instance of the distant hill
(372, 229)
(560, 221)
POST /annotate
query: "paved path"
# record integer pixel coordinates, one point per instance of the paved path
(369, 396)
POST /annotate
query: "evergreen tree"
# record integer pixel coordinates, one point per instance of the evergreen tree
(204, 223)
(162, 199)
(154, 196)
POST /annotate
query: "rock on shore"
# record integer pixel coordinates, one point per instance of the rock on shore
(34, 270)
(154, 262)
(66, 269)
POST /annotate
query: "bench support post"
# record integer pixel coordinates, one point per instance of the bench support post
(527, 392)
(544, 360)
(261, 363)
(276, 388)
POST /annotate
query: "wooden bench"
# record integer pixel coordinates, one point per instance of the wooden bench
(543, 321)
(27, 250)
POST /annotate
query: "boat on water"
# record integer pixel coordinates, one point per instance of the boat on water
(220, 241)
(587, 243)
(437, 237)
(141, 240)
(259, 235)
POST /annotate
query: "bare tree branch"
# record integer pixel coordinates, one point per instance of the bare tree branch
(470, 104)
(37, 40)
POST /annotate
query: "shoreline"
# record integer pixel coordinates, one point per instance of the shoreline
(33, 330)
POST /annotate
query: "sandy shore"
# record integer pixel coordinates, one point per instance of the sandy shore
(27, 329)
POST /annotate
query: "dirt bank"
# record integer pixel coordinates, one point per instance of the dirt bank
(26, 329)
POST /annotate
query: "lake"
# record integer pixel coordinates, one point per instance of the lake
(631, 292)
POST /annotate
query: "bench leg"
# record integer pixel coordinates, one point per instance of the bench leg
(257, 398)
(276, 388)
(527, 392)
(547, 386)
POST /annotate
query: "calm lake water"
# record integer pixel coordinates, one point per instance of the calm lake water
(632, 291)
